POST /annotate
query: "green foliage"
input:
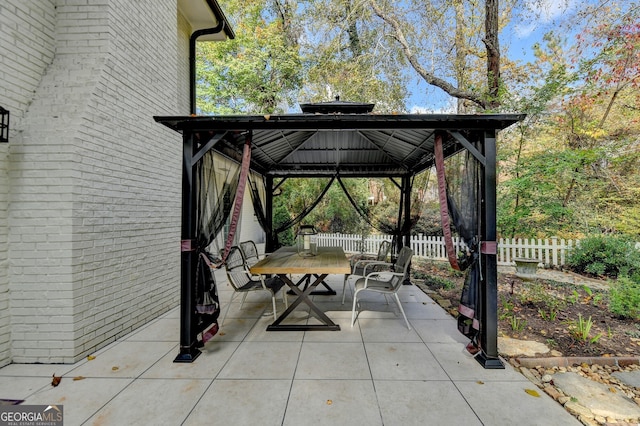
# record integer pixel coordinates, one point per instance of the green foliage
(581, 329)
(257, 72)
(434, 281)
(624, 298)
(605, 255)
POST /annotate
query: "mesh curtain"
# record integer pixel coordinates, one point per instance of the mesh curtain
(213, 206)
(463, 204)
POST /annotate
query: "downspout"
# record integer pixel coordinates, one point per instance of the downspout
(192, 60)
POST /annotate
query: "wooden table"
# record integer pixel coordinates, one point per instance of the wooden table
(284, 261)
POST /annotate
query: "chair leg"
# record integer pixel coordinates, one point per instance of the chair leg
(244, 296)
(402, 310)
(273, 302)
(226, 311)
(353, 309)
(344, 288)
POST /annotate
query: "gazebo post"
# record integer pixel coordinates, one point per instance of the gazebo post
(268, 213)
(488, 250)
(188, 350)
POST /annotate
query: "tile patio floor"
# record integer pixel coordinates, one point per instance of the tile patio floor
(376, 373)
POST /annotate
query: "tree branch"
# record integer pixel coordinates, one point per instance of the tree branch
(430, 78)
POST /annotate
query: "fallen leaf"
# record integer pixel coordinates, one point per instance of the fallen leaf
(480, 382)
(78, 378)
(115, 368)
(613, 390)
(90, 357)
(222, 333)
(56, 380)
(532, 393)
(329, 402)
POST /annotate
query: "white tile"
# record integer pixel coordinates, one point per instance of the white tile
(207, 365)
(262, 360)
(259, 333)
(403, 361)
(125, 359)
(152, 401)
(379, 309)
(332, 402)
(80, 398)
(33, 370)
(242, 402)
(332, 361)
(425, 310)
(22, 387)
(160, 330)
(439, 331)
(460, 366)
(411, 293)
(345, 334)
(387, 330)
(407, 403)
(507, 403)
(234, 329)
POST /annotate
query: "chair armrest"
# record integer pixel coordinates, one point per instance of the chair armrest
(373, 264)
(374, 274)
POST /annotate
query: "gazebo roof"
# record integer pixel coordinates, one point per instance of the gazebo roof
(350, 144)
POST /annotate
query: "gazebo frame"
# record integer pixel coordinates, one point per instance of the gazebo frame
(349, 144)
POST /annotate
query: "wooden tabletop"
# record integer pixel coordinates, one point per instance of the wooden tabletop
(285, 260)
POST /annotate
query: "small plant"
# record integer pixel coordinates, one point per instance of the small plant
(634, 333)
(582, 328)
(551, 315)
(574, 297)
(506, 308)
(517, 324)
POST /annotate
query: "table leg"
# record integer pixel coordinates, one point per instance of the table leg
(307, 278)
(303, 296)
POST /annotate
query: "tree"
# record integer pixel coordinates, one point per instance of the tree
(345, 56)
(257, 72)
(407, 34)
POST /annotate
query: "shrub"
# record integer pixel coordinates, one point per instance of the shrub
(624, 298)
(605, 255)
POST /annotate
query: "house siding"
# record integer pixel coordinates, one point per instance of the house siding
(90, 185)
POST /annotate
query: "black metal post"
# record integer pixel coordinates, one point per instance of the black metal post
(188, 334)
(268, 213)
(489, 282)
(406, 225)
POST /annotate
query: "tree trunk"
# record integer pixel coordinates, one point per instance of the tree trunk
(493, 52)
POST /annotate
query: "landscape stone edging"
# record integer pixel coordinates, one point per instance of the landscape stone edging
(568, 361)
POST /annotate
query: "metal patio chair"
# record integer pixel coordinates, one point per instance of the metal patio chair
(386, 282)
(243, 281)
(250, 252)
(362, 265)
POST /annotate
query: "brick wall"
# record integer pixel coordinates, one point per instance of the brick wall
(94, 213)
(27, 43)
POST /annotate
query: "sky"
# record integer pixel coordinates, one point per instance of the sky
(517, 39)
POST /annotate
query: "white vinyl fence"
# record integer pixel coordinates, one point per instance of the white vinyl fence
(549, 251)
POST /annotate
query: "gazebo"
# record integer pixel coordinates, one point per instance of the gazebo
(344, 139)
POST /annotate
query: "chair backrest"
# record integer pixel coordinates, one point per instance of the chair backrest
(236, 267)
(250, 252)
(383, 251)
(402, 265)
